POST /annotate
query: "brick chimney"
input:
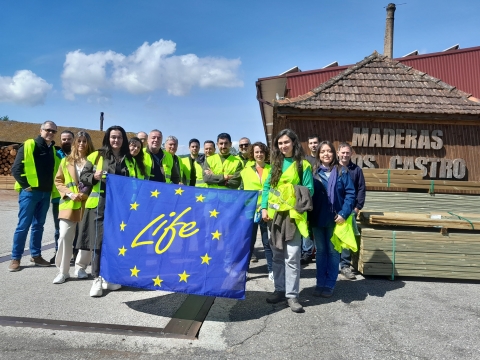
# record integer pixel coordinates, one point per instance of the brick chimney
(388, 42)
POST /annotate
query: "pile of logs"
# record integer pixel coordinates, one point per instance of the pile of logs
(7, 157)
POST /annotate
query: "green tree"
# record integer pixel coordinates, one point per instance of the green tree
(4, 118)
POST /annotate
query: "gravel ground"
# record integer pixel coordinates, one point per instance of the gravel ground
(370, 318)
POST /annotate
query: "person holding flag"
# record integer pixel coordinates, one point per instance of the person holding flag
(113, 158)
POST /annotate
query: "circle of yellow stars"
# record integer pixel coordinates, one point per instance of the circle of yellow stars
(183, 276)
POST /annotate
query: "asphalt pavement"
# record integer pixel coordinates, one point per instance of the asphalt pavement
(369, 318)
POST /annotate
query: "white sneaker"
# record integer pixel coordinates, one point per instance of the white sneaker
(110, 286)
(270, 276)
(60, 278)
(81, 274)
(96, 289)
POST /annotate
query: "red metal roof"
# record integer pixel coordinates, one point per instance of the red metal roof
(460, 68)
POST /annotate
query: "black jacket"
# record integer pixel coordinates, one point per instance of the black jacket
(358, 179)
(43, 155)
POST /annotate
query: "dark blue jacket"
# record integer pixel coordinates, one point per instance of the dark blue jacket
(321, 215)
(358, 179)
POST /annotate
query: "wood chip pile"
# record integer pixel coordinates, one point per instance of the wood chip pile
(419, 234)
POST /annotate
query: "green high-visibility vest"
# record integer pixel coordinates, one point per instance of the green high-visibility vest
(92, 201)
(228, 167)
(70, 183)
(167, 164)
(282, 196)
(29, 167)
(198, 172)
(252, 181)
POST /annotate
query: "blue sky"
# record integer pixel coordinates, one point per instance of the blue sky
(189, 68)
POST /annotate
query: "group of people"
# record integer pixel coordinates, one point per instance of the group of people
(299, 196)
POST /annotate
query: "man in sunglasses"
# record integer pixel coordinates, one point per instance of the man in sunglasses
(243, 145)
(34, 170)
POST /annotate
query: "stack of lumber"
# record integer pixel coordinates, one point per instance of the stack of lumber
(417, 234)
(7, 157)
(393, 252)
(438, 219)
(7, 182)
(413, 179)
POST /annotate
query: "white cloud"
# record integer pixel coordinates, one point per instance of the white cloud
(24, 88)
(147, 69)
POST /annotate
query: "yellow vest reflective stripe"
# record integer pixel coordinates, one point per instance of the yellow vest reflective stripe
(70, 183)
(92, 201)
(251, 180)
(228, 167)
(167, 164)
(55, 192)
(282, 197)
(29, 166)
(198, 172)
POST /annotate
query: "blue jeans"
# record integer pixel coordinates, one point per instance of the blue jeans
(56, 221)
(266, 244)
(307, 246)
(327, 258)
(33, 208)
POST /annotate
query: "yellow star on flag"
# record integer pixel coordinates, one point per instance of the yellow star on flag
(122, 226)
(134, 206)
(179, 191)
(216, 235)
(135, 271)
(183, 276)
(200, 198)
(155, 193)
(214, 213)
(122, 251)
(157, 281)
(205, 259)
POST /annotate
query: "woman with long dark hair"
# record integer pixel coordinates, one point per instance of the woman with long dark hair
(135, 147)
(71, 207)
(113, 158)
(333, 203)
(285, 198)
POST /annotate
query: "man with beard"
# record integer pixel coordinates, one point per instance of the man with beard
(193, 165)
(222, 171)
(66, 141)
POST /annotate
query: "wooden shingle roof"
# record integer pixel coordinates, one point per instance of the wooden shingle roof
(380, 84)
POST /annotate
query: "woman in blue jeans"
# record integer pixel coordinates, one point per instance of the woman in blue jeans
(333, 202)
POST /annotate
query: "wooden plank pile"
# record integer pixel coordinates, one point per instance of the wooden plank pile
(417, 234)
(7, 157)
(425, 253)
(413, 179)
(7, 182)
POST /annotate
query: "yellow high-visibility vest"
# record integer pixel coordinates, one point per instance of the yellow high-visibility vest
(167, 164)
(228, 167)
(29, 167)
(251, 180)
(282, 197)
(92, 201)
(70, 183)
(198, 172)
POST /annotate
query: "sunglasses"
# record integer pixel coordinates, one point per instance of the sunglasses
(50, 131)
(243, 145)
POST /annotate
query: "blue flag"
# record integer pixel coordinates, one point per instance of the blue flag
(177, 238)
